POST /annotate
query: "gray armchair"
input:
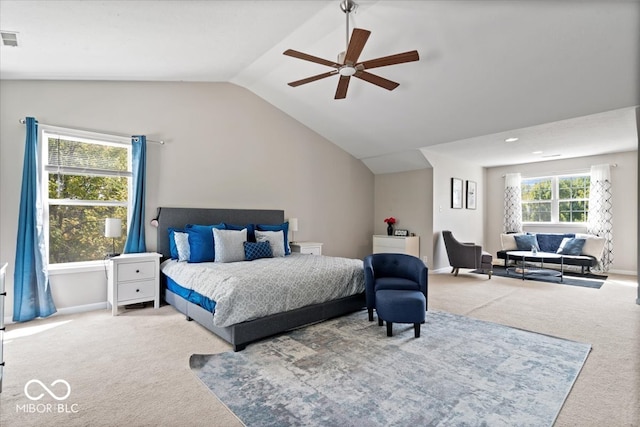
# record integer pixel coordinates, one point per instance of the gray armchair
(467, 255)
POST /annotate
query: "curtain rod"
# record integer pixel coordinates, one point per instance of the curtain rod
(23, 121)
(568, 172)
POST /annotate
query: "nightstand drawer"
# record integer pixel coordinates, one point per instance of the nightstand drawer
(308, 248)
(129, 291)
(312, 250)
(136, 271)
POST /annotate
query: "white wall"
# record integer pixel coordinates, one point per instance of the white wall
(226, 148)
(467, 225)
(408, 197)
(624, 181)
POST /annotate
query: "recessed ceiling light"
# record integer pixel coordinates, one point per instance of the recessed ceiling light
(511, 139)
(537, 152)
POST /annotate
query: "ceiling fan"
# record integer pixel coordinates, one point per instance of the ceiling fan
(347, 64)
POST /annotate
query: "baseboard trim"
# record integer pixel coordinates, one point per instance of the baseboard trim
(623, 272)
(82, 308)
(70, 310)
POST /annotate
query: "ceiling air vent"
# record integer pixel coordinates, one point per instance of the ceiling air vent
(9, 39)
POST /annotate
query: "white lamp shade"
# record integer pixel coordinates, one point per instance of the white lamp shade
(293, 224)
(113, 227)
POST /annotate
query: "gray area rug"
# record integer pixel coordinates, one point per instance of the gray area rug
(587, 280)
(347, 372)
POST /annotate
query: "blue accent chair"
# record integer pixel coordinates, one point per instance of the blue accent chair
(393, 272)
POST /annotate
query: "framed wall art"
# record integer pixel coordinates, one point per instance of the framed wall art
(456, 193)
(471, 194)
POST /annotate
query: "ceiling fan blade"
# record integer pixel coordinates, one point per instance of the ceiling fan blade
(356, 44)
(311, 58)
(398, 58)
(313, 78)
(343, 85)
(376, 80)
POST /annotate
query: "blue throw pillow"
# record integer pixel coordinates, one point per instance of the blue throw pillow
(550, 242)
(526, 241)
(201, 241)
(257, 250)
(173, 249)
(251, 230)
(285, 231)
(571, 246)
(204, 228)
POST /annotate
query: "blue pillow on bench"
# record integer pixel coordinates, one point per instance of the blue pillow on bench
(570, 246)
(550, 242)
(526, 241)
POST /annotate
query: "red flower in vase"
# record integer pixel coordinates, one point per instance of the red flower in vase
(390, 221)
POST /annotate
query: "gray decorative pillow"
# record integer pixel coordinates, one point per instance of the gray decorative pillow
(182, 244)
(275, 239)
(229, 244)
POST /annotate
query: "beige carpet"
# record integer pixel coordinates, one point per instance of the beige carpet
(133, 370)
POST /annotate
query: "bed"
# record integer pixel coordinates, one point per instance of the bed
(244, 332)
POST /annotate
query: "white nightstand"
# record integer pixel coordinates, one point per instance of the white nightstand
(134, 278)
(310, 248)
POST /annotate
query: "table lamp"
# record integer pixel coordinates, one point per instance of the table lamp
(293, 226)
(113, 229)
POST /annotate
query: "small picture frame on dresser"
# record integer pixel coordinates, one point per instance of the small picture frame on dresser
(400, 232)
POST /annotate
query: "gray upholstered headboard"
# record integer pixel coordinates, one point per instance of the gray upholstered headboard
(179, 217)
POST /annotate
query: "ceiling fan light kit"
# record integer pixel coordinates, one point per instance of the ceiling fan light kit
(347, 64)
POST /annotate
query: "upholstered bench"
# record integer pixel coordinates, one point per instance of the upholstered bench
(396, 306)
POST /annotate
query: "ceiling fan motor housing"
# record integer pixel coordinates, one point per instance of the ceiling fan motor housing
(348, 6)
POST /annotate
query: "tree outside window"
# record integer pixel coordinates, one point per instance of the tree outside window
(88, 181)
(536, 200)
(556, 199)
(573, 195)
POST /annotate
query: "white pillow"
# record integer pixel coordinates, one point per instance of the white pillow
(508, 241)
(275, 239)
(593, 245)
(229, 245)
(182, 244)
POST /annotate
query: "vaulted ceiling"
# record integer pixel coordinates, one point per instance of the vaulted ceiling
(561, 76)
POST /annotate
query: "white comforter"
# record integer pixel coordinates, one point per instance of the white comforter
(251, 289)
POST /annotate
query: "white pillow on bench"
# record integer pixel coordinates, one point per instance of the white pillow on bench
(508, 241)
(593, 245)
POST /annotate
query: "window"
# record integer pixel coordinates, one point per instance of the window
(87, 181)
(556, 199)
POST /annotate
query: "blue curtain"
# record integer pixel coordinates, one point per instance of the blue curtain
(31, 291)
(135, 237)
